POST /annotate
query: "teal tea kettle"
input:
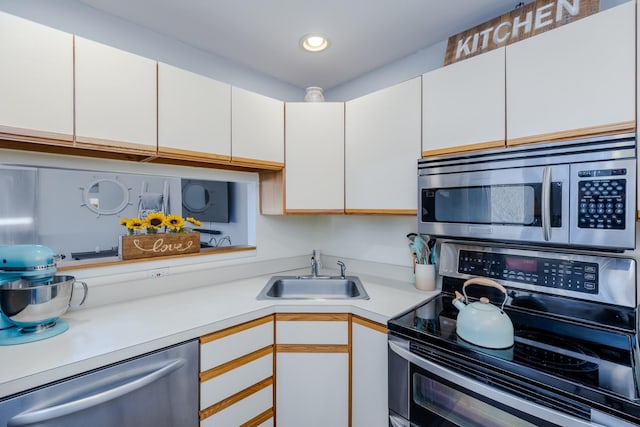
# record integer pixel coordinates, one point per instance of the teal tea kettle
(481, 323)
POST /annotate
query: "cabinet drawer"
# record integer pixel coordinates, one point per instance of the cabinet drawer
(243, 411)
(232, 343)
(229, 383)
(312, 329)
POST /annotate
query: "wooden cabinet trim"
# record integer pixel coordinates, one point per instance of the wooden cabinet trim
(231, 400)
(181, 154)
(406, 212)
(312, 317)
(464, 148)
(235, 363)
(369, 324)
(259, 419)
(314, 211)
(272, 193)
(613, 128)
(261, 164)
(29, 135)
(235, 329)
(312, 348)
(109, 145)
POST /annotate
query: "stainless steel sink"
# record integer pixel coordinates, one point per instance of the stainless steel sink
(309, 287)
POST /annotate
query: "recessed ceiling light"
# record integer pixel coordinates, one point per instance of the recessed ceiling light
(314, 42)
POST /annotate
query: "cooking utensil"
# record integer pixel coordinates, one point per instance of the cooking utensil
(482, 323)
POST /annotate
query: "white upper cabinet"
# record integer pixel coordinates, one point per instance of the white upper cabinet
(36, 80)
(314, 151)
(257, 129)
(116, 98)
(382, 145)
(575, 80)
(463, 105)
(194, 115)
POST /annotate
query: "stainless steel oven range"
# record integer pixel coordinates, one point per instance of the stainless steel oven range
(575, 361)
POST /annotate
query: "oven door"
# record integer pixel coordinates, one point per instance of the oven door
(437, 396)
(528, 204)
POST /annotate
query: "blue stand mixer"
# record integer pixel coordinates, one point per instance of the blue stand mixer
(32, 296)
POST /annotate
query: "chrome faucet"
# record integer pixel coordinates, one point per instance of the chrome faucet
(314, 267)
(342, 269)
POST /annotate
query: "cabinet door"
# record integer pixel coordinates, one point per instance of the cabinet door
(115, 99)
(194, 116)
(463, 105)
(312, 389)
(36, 81)
(382, 145)
(312, 369)
(257, 130)
(314, 150)
(576, 80)
(369, 374)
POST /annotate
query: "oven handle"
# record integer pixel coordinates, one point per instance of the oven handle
(396, 421)
(546, 203)
(401, 348)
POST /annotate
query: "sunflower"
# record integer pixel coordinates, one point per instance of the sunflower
(135, 224)
(124, 221)
(194, 221)
(174, 222)
(154, 220)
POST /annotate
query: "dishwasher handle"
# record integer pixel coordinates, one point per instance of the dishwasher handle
(45, 414)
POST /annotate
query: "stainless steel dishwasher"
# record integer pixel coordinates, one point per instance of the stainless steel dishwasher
(159, 389)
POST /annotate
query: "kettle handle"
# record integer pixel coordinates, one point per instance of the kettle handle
(485, 282)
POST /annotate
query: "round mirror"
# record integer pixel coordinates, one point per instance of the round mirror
(195, 197)
(105, 196)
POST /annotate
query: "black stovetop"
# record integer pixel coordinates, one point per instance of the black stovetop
(570, 355)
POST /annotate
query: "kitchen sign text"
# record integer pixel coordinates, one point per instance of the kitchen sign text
(526, 21)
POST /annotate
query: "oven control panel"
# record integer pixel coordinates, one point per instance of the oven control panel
(576, 276)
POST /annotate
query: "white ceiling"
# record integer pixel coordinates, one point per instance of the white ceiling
(263, 35)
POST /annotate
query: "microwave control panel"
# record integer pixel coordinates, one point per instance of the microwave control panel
(576, 276)
(601, 199)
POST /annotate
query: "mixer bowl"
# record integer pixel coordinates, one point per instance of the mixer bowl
(36, 305)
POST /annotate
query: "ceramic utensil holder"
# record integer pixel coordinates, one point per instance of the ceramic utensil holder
(426, 277)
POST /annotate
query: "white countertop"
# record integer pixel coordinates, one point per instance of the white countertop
(108, 334)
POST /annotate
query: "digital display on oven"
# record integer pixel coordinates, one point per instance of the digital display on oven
(569, 275)
(521, 263)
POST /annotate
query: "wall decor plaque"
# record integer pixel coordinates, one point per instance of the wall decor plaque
(523, 22)
(138, 246)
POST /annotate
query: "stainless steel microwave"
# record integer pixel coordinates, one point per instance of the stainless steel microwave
(579, 193)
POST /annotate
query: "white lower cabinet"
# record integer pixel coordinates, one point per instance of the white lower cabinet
(312, 370)
(369, 379)
(312, 389)
(236, 375)
(330, 370)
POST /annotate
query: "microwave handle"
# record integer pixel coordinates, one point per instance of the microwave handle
(546, 203)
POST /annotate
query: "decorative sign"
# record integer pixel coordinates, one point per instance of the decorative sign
(521, 23)
(138, 246)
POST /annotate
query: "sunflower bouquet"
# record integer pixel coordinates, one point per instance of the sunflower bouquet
(156, 221)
